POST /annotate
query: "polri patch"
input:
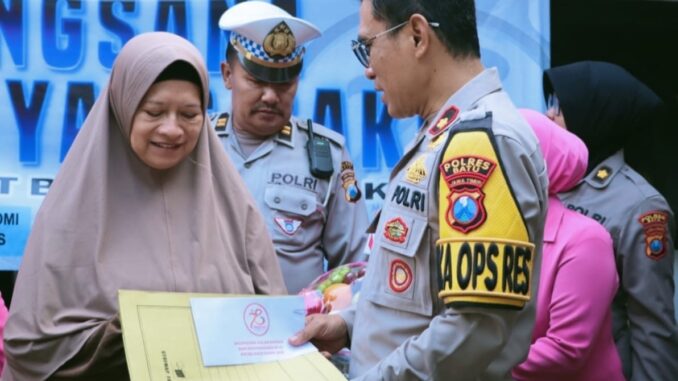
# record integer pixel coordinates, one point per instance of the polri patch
(400, 276)
(349, 183)
(465, 177)
(654, 225)
(446, 119)
(289, 226)
(396, 230)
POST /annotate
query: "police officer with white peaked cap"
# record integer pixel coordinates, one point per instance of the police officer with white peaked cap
(299, 172)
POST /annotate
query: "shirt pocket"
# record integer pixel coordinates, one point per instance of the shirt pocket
(400, 265)
(297, 220)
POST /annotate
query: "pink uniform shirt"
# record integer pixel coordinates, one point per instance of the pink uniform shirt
(572, 337)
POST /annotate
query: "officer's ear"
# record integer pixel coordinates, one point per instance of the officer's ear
(227, 74)
(421, 34)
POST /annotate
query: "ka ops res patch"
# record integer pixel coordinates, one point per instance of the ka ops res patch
(483, 252)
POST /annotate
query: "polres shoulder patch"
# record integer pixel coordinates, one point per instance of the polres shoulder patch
(483, 252)
(349, 183)
(465, 177)
(655, 227)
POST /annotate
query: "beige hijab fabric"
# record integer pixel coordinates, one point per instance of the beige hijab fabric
(110, 222)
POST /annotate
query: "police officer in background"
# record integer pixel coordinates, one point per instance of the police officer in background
(300, 173)
(450, 290)
(605, 105)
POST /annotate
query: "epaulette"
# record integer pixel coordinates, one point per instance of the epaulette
(325, 132)
(474, 120)
(219, 121)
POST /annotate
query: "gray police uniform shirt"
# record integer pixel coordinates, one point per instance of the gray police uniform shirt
(310, 219)
(400, 328)
(636, 216)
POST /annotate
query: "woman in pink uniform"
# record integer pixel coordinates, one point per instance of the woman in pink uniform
(572, 337)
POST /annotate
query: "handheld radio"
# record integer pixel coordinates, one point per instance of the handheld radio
(319, 154)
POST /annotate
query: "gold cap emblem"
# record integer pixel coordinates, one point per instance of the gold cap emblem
(280, 41)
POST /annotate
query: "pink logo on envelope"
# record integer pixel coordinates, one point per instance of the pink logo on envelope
(256, 319)
(288, 225)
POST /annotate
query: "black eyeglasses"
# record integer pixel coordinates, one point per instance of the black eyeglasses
(362, 48)
(552, 104)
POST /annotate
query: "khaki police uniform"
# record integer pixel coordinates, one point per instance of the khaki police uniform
(639, 221)
(310, 219)
(451, 285)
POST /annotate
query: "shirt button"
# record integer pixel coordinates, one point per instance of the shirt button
(276, 200)
(304, 206)
(247, 165)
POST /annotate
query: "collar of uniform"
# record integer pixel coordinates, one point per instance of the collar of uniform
(602, 174)
(281, 137)
(482, 84)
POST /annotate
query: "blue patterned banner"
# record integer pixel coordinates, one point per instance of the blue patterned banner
(56, 55)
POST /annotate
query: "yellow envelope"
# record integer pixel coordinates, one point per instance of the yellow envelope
(161, 345)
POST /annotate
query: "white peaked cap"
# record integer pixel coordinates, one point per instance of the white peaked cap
(255, 19)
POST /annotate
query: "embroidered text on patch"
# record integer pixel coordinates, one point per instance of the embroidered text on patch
(465, 176)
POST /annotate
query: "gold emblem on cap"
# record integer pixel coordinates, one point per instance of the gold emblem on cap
(416, 172)
(280, 41)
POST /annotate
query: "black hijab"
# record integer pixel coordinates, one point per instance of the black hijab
(602, 103)
(609, 109)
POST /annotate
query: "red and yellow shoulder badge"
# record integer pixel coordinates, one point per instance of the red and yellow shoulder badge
(654, 225)
(446, 120)
(465, 177)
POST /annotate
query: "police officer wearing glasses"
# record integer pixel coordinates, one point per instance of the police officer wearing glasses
(300, 173)
(450, 290)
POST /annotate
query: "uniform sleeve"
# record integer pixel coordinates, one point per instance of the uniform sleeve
(263, 262)
(577, 308)
(344, 234)
(649, 286)
(463, 341)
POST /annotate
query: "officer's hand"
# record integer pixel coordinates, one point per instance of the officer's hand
(327, 332)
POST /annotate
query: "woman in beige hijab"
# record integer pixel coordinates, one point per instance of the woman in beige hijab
(146, 199)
